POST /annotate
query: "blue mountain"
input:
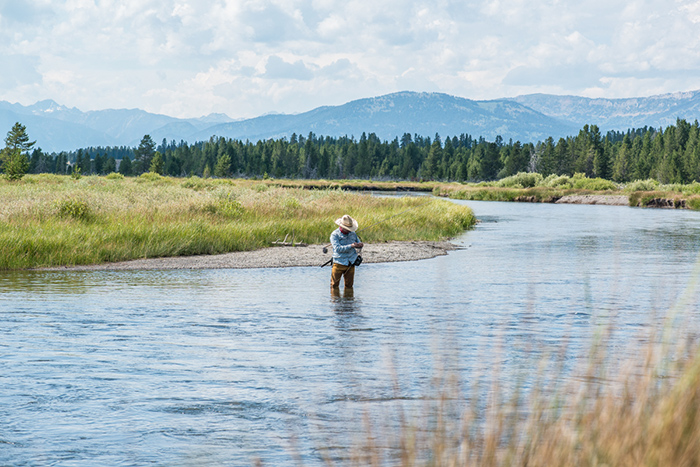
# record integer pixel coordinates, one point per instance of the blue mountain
(529, 118)
(392, 115)
(617, 114)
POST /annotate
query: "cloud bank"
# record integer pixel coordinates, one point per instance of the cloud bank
(246, 58)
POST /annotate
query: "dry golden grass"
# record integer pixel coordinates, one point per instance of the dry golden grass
(49, 220)
(640, 412)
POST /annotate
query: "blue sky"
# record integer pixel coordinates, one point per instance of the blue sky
(189, 58)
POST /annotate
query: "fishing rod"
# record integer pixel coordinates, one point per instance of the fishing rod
(325, 248)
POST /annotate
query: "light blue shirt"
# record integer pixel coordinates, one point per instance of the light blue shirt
(343, 253)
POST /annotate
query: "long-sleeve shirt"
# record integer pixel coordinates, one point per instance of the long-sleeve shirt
(343, 253)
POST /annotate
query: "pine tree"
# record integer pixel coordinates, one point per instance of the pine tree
(110, 166)
(691, 156)
(475, 165)
(430, 168)
(156, 164)
(223, 166)
(13, 157)
(547, 162)
(622, 164)
(125, 166)
(145, 152)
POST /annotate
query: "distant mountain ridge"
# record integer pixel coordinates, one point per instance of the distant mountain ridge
(528, 118)
(393, 115)
(617, 114)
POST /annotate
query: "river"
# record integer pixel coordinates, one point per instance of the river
(221, 367)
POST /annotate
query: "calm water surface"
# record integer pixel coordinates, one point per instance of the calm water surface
(219, 367)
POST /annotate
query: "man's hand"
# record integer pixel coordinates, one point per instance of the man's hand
(357, 245)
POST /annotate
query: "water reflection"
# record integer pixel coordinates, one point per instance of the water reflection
(347, 296)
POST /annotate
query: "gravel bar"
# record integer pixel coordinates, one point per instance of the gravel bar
(608, 200)
(277, 257)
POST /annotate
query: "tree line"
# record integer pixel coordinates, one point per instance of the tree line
(670, 155)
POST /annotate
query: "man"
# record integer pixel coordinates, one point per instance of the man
(344, 241)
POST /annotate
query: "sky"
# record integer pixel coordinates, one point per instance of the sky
(190, 58)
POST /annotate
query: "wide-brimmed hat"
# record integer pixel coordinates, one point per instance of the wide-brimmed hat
(348, 223)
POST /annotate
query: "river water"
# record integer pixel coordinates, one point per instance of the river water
(221, 367)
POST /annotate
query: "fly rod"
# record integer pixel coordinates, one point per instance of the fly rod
(325, 248)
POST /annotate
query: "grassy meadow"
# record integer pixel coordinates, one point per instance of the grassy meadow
(50, 220)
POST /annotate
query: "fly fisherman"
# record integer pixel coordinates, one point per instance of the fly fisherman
(344, 241)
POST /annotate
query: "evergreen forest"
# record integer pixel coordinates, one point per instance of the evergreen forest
(670, 155)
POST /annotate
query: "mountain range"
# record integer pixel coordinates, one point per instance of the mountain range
(528, 118)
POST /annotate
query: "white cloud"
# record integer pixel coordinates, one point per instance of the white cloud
(277, 68)
(249, 57)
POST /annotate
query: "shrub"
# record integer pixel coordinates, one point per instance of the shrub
(291, 203)
(642, 185)
(74, 209)
(553, 181)
(521, 180)
(115, 176)
(230, 208)
(677, 187)
(150, 177)
(594, 184)
(225, 205)
(692, 189)
(194, 183)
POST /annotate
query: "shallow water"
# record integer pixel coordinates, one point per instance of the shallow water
(219, 367)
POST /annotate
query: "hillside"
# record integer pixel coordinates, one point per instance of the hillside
(617, 114)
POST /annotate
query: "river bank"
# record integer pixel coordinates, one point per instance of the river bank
(54, 221)
(276, 257)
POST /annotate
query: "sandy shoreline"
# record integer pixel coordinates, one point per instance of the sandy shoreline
(276, 257)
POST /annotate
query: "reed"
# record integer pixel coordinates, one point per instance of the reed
(639, 412)
(49, 220)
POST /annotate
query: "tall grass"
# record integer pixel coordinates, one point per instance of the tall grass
(641, 410)
(48, 220)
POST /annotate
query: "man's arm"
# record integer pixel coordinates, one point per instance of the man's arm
(335, 242)
(357, 243)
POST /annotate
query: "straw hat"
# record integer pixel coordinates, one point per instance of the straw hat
(348, 223)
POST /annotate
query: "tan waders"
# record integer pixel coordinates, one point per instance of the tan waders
(346, 272)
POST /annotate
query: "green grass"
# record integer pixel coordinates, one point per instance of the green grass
(529, 187)
(537, 194)
(534, 188)
(48, 220)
